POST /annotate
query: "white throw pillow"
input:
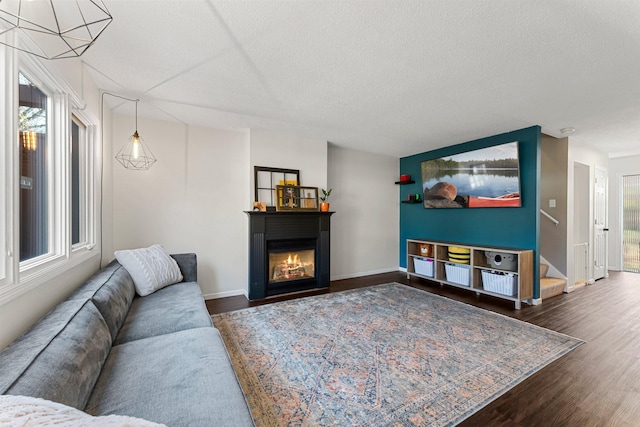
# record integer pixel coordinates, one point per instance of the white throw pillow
(25, 411)
(150, 268)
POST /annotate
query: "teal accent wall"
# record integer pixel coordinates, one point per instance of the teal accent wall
(508, 227)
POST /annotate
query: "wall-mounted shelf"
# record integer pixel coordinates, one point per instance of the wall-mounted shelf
(411, 201)
(429, 259)
(405, 182)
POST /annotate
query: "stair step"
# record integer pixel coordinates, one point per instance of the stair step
(551, 286)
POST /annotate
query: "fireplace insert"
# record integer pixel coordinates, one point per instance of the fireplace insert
(291, 260)
(288, 252)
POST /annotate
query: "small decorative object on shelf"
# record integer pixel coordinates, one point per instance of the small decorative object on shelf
(413, 198)
(324, 205)
(405, 179)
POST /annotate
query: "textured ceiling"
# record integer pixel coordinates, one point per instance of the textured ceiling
(390, 77)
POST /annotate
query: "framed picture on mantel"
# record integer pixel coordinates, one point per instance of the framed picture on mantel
(296, 198)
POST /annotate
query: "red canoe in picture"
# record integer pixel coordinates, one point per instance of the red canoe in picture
(508, 200)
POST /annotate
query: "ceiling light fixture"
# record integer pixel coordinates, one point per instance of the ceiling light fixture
(135, 154)
(52, 29)
(567, 130)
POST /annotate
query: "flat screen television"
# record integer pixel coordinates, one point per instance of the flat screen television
(484, 178)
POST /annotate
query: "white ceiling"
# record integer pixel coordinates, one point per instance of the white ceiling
(390, 77)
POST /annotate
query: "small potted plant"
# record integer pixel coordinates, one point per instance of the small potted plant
(324, 206)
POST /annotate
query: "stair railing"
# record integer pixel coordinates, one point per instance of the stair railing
(552, 219)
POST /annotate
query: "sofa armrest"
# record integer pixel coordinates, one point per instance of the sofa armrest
(188, 264)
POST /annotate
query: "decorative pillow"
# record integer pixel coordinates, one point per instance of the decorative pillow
(25, 411)
(150, 268)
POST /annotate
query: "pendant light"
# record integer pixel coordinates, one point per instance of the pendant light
(135, 154)
(52, 29)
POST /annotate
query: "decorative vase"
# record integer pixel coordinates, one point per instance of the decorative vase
(324, 207)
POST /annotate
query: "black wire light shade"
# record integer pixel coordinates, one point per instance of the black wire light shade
(135, 154)
(52, 29)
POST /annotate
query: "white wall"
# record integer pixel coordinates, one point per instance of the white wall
(618, 167)
(584, 155)
(280, 150)
(553, 186)
(191, 200)
(365, 228)
(18, 315)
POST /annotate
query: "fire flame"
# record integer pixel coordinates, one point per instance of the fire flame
(293, 261)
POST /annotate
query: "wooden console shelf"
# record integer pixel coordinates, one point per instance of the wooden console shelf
(505, 273)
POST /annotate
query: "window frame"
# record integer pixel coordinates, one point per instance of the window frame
(16, 277)
(56, 163)
(87, 182)
(51, 166)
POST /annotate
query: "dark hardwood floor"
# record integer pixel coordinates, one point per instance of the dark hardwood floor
(597, 384)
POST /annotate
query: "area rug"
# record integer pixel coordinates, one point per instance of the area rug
(387, 355)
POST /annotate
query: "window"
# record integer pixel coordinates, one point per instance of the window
(47, 211)
(79, 194)
(33, 105)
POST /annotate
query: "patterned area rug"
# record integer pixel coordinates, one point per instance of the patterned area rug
(387, 355)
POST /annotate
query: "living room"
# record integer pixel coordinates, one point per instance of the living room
(194, 198)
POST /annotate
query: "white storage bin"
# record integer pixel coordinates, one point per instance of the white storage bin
(458, 273)
(500, 282)
(423, 266)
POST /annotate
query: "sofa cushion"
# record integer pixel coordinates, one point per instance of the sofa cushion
(151, 268)
(113, 299)
(188, 264)
(25, 411)
(171, 309)
(60, 358)
(179, 379)
(89, 288)
(17, 357)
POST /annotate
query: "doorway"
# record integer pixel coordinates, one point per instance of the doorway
(581, 225)
(631, 223)
(600, 229)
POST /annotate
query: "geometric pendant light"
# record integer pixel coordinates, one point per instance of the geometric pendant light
(52, 29)
(135, 154)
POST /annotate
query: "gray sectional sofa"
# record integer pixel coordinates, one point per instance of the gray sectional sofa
(106, 350)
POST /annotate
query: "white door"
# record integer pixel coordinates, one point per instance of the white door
(600, 225)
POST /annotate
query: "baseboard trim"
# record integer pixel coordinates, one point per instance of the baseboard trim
(365, 273)
(225, 294)
(576, 287)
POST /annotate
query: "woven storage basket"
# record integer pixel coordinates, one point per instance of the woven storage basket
(500, 282)
(457, 273)
(423, 266)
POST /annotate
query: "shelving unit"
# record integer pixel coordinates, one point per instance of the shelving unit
(502, 280)
(406, 183)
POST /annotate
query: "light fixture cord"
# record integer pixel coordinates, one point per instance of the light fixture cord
(102, 162)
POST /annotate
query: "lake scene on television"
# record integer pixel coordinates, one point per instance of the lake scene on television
(485, 178)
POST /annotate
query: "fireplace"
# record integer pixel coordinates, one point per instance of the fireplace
(288, 252)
